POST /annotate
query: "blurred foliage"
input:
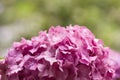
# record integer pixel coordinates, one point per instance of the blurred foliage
(100, 16)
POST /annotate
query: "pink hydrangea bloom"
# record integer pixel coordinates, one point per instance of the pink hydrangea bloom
(114, 61)
(71, 53)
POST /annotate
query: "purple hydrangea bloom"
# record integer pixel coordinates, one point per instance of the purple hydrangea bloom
(71, 53)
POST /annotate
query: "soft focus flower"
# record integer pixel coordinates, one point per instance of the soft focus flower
(2, 70)
(71, 53)
(114, 61)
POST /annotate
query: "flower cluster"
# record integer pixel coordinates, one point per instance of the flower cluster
(71, 53)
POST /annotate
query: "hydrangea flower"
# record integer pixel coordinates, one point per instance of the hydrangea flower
(71, 53)
(114, 61)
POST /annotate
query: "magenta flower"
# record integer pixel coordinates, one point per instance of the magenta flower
(114, 61)
(71, 53)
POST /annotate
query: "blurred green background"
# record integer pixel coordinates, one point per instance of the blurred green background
(25, 18)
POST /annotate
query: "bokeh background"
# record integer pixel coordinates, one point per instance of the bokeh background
(25, 18)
